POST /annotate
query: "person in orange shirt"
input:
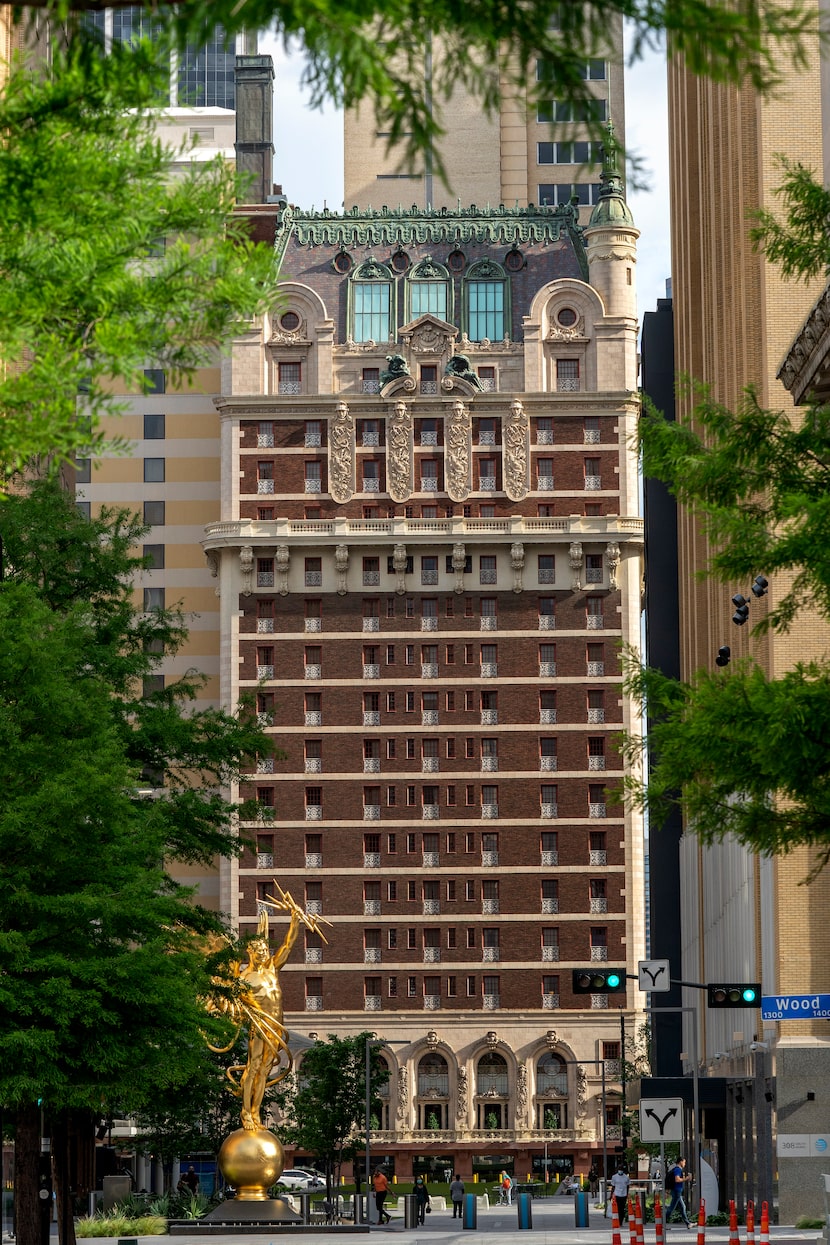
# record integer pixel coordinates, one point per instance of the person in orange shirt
(381, 1187)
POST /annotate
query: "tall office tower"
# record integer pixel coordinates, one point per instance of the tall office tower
(172, 476)
(528, 153)
(745, 918)
(428, 554)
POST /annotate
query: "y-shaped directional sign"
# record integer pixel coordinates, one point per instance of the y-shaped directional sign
(653, 975)
(661, 1119)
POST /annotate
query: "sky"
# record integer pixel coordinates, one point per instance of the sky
(308, 160)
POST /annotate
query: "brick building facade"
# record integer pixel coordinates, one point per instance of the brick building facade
(428, 555)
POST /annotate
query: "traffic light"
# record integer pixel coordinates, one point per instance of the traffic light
(593, 981)
(759, 586)
(724, 653)
(746, 994)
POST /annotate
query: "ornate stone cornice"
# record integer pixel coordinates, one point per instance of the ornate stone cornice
(804, 370)
(393, 227)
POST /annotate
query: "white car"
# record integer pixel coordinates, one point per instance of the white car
(299, 1178)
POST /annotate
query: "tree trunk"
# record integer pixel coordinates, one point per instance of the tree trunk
(26, 1173)
(61, 1134)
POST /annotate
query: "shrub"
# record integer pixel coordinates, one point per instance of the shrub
(114, 1223)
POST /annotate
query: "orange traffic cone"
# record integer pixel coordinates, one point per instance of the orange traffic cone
(701, 1223)
(750, 1223)
(616, 1239)
(733, 1225)
(658, 1220)
(632, 1222)
(765, 1223)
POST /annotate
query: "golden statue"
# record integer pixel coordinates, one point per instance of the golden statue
(256, 1001)
(251, 1158)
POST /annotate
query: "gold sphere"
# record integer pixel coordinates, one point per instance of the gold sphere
(251, 1161)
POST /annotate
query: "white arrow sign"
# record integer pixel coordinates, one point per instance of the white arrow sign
(653, 976)
(661, 1119)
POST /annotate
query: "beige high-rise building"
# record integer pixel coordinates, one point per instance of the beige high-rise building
(746, 919)
(529, 152)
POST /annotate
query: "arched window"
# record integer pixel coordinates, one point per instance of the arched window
(371, 302)
(433, 1075)
(551, 1075)
(486, 294)
(491, 1075)
(428, 287)
(380, 1107)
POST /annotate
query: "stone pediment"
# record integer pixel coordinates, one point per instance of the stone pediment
(429, 335)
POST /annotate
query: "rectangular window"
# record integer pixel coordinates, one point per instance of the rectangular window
(428, 297)
(372, 302)
(567, 375)
(289, 378)
(155, 556)
(485, 317)
(154, 513)
(393, 987)
(153, 470)
(392, 891)
(429, 381)
(154, 427)
(153, 599)
(155, 380)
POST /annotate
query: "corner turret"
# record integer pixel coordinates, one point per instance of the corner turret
(611, 238)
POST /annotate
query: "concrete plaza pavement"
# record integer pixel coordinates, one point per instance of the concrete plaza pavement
(553, 1224)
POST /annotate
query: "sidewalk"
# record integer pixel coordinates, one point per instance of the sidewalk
(553, 1224)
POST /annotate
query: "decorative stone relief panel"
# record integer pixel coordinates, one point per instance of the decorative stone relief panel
(459, 451)
(612, 552)
(399, 452)
(399, 567)
(459, 561)
(342, 454)
(575, 560)
(341, 565)
(516, 452)
(246, 567)
(283, 563)
(517, 562)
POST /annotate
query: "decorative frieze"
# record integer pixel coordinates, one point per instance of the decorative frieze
(516, 452)
(341, 454)
(399, 452)
(459, 451)
(575, 562)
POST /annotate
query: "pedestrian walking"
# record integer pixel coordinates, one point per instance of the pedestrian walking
(676, 1181)
(620, 1182)
(422, 1203)
(381, 1187)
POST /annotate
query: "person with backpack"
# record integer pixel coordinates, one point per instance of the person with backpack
(676, 1178)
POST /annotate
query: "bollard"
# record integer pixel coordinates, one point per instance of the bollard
(410, 1210)
(525, 1211)
(305, 1207)
(658, 1220)
(616, 1238)
(750, 1223)
(358, 1211)
(469, 1218)
(581, 1210)
(701, 1223)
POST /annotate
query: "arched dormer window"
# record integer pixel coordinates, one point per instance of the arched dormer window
(371, 302)
(428, 287)
(487, 302)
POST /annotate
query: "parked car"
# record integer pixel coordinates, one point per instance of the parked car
(301, 1179)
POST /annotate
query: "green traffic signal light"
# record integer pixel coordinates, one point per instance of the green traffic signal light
(742, 994)
(593, 981)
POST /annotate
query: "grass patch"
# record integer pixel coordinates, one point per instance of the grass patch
(809, 1221)
(114, 1223)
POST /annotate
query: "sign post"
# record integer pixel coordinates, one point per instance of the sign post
(661, 1119)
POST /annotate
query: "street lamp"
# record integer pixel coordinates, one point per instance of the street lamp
(373, 1040)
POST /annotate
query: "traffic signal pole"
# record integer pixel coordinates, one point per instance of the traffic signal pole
(656, 1011)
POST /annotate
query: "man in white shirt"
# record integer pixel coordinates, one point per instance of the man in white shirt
(619, 1191)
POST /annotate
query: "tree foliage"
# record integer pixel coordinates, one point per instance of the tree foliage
(373, 50)
(324, 1104)
(744, 753)
(104, 967)
(111, 261)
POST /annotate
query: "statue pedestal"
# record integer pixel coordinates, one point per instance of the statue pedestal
(269, 1210)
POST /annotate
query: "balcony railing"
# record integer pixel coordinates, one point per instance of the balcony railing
(489, 670)
(550, 1002)
(489, 860)
(313, 624)
(550, 858)
(265, 441)
(314, 955)
(595, 622)
(314, 860)
(431, 860)
(596, 668)
(548, 763)
(311, 439)
(593, 483)
(313, 486)
(371, 955)
(265, 765)
(547, 622)
(545, 484)
(489, 811)
(314, 1002)
(550, 953)
(549, 810)
(429, 578)
(428, 438)
(550, 906)
(371, 717)
(314, 907)
(487, 484)
(489, 717)
(590, 436)
(547, 669)
(598, 905)
(596, 715)
(371, 907)
(429, 484)
(371, 579)
(314, 765)
(371, 812)
(432, 1002)
(313, 672)
(597, 810)
(265, 625)
(429, 669)
(429, 717)
(430, 812)
(371, 484)
(488, 622)
(371, 671)
(313, 718)
(599, 955)
(489, 907)
(370, 439)
(432, 907)
(486, 438)
(489, 765)
(547, 717)
(593, 575)
(265, 860)
(313, 579)
(265, 579)
(371, 1003)
(596, 763)
(599, 1001)
(490, 955)
(371, 860)
(429, 624)
(371, 765)
(314, 812)
(544, 436)
(429, 765)
(432, 955)
(265, 672)
(265, 486)
(488, 575)
(598, 858)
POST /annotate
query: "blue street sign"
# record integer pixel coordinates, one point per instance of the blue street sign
(795, 1007)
